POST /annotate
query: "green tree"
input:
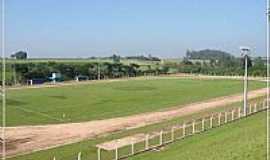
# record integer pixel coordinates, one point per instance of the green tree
(19, 55)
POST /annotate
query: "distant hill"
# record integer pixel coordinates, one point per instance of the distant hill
(208, 54)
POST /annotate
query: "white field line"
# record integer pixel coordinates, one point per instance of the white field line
(39, 113)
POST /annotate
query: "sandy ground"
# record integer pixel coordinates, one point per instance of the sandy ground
(26, 139)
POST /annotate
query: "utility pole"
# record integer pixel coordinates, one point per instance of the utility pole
(3, 88)
(268, 72)
(244, 52)
(245, 85)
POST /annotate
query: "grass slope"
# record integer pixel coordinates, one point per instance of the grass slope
(243, 140)
(108, 100)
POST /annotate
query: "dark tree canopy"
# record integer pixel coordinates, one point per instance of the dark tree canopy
(208, 54)
(249, 62)
(19, 55)
(116, 58)
(144, 58)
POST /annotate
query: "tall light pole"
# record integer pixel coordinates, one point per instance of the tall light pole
(268, 71)
(3, 89)
(245, 52)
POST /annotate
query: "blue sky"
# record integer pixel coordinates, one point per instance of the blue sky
(166, 28)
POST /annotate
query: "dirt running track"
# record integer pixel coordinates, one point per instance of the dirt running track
(26, 139)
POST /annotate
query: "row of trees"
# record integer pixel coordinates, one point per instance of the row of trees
(208, 54)
(27, 71)
(209, 62)
(105, 70)
(118, 58)
(213, 62)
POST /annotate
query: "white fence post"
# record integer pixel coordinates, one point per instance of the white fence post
(203, 124)
(99, 154)
(193, 127)
(250, 108)
(132, 148)
(161, 138)
(184, 129)
(147, 142)
(211, 121)
(226, 117)
(172, 136)
(255, 107)
(79, 156)
(116, 153)
(219, 118)
(232, 115)
(264, 104)
(239, 112)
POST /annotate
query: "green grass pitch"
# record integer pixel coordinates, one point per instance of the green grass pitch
(107, 100)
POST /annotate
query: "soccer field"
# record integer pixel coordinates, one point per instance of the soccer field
(107, 100)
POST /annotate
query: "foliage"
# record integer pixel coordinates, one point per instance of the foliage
(214, 62)
(43, 70)
(115, 58)
(210, 62)
(144, 58)
(19, 55)
(208, 54)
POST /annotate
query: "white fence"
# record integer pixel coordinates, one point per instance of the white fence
(155, 140)
(163, 137)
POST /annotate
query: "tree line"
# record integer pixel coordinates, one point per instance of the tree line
(210, 62)
(214, 62)
(94, 70)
